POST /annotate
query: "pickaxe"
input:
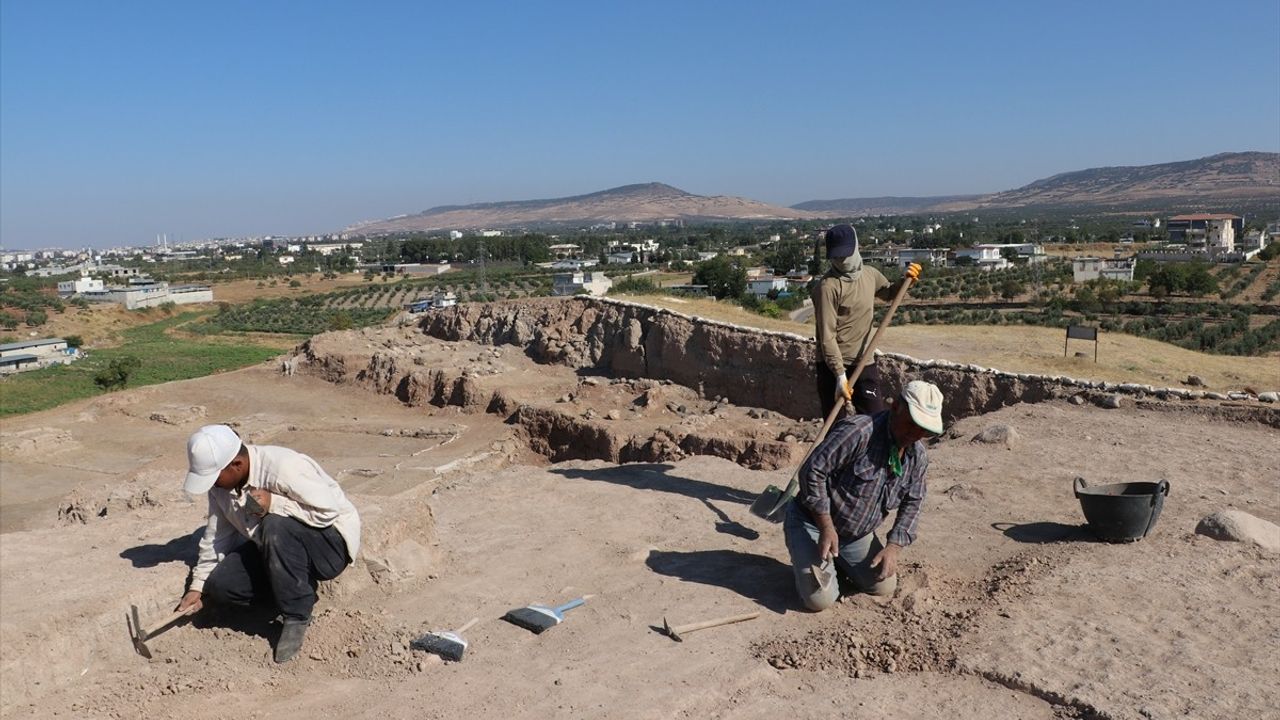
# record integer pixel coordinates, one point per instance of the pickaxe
(141, 635)
(678, 632)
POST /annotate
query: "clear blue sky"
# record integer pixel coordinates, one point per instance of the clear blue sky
(121, 120)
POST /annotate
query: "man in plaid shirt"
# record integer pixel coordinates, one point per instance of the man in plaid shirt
(866, 467)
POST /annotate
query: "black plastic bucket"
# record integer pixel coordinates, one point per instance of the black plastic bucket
(1122, 512)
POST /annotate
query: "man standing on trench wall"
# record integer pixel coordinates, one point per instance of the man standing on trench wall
(278, 524)
(843, 310)
(867, 466)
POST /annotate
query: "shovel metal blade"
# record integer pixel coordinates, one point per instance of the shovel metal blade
(767, 506)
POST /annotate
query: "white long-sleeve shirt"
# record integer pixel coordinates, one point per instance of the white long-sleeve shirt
(299, 489)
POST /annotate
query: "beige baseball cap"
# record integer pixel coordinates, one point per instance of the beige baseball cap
(924, 400)
(209, 449)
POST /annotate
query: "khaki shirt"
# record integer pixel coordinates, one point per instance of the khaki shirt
(842, 311)
(299, 488)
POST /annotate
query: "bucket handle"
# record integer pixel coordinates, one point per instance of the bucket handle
(1077, 485)
(1162, 488)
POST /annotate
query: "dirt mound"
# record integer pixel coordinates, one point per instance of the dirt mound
(919, 631)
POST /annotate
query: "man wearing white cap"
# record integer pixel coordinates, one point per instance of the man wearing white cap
(866, 466)
(278, 524)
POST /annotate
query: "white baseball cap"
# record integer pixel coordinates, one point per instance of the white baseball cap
(924, 400)
(209, 450)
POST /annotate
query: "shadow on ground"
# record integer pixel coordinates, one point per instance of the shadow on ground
(179, 549)
(1044, 532)
(728, 526)
(658, 477)
(758, 578)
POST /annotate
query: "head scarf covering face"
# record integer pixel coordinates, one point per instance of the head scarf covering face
(849, 267)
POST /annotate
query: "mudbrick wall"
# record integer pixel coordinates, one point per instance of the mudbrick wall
(770, 370)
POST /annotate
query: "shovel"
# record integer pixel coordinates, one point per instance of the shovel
(770, 503)
(141, 635)
(446, 644)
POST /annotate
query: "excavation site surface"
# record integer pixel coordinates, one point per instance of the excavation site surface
(535, 452)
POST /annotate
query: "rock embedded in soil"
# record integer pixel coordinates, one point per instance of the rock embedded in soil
(998, 435)
(1240, 526)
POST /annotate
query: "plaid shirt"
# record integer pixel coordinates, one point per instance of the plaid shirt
(848, 476)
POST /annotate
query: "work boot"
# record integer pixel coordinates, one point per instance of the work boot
(290, 641)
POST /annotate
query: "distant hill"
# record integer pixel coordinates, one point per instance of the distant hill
(649, 202)
(1220, 180)
(889, 205)
(1225, 181)
(1227, 177)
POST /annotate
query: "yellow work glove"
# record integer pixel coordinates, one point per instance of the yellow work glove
(913, 271)
(843, 391)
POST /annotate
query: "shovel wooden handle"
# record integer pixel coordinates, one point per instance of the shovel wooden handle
(691, 627)
(470, 623)
(868, 354)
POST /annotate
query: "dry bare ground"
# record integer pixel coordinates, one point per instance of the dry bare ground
(1006, 607)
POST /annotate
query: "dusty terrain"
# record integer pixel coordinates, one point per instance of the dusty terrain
(488, 481)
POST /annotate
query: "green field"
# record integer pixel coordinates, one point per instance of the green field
(163, 358)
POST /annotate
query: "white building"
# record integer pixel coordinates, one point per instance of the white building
(984, 257)
(490, 233)
(763, 285)
(35, 354)
(82, 284)
(455, 234)
(643, 246)
(933, 256)
(709, 255)
(327, 249)
(415, 268)
(594, 283)
(1084, 269)
(1212, 232)
(116, 271)
(440, 299)
(151, 294)
(619, 258)
(285, 259)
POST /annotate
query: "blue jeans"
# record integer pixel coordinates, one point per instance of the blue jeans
(853, 562)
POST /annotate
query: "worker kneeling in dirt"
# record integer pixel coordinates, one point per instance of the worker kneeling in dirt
(865, 467)
(299, 525)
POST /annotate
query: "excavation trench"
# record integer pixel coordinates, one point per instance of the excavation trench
(596, 379)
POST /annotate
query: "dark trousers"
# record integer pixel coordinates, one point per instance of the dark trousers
(286, 564)
(866, 391)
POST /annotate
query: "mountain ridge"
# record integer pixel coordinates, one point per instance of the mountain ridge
(1217, 180)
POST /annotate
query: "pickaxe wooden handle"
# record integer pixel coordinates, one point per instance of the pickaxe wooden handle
(140, 635)
(676, 632)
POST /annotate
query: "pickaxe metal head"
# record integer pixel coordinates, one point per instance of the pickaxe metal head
(670, 631)
(137, 633)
